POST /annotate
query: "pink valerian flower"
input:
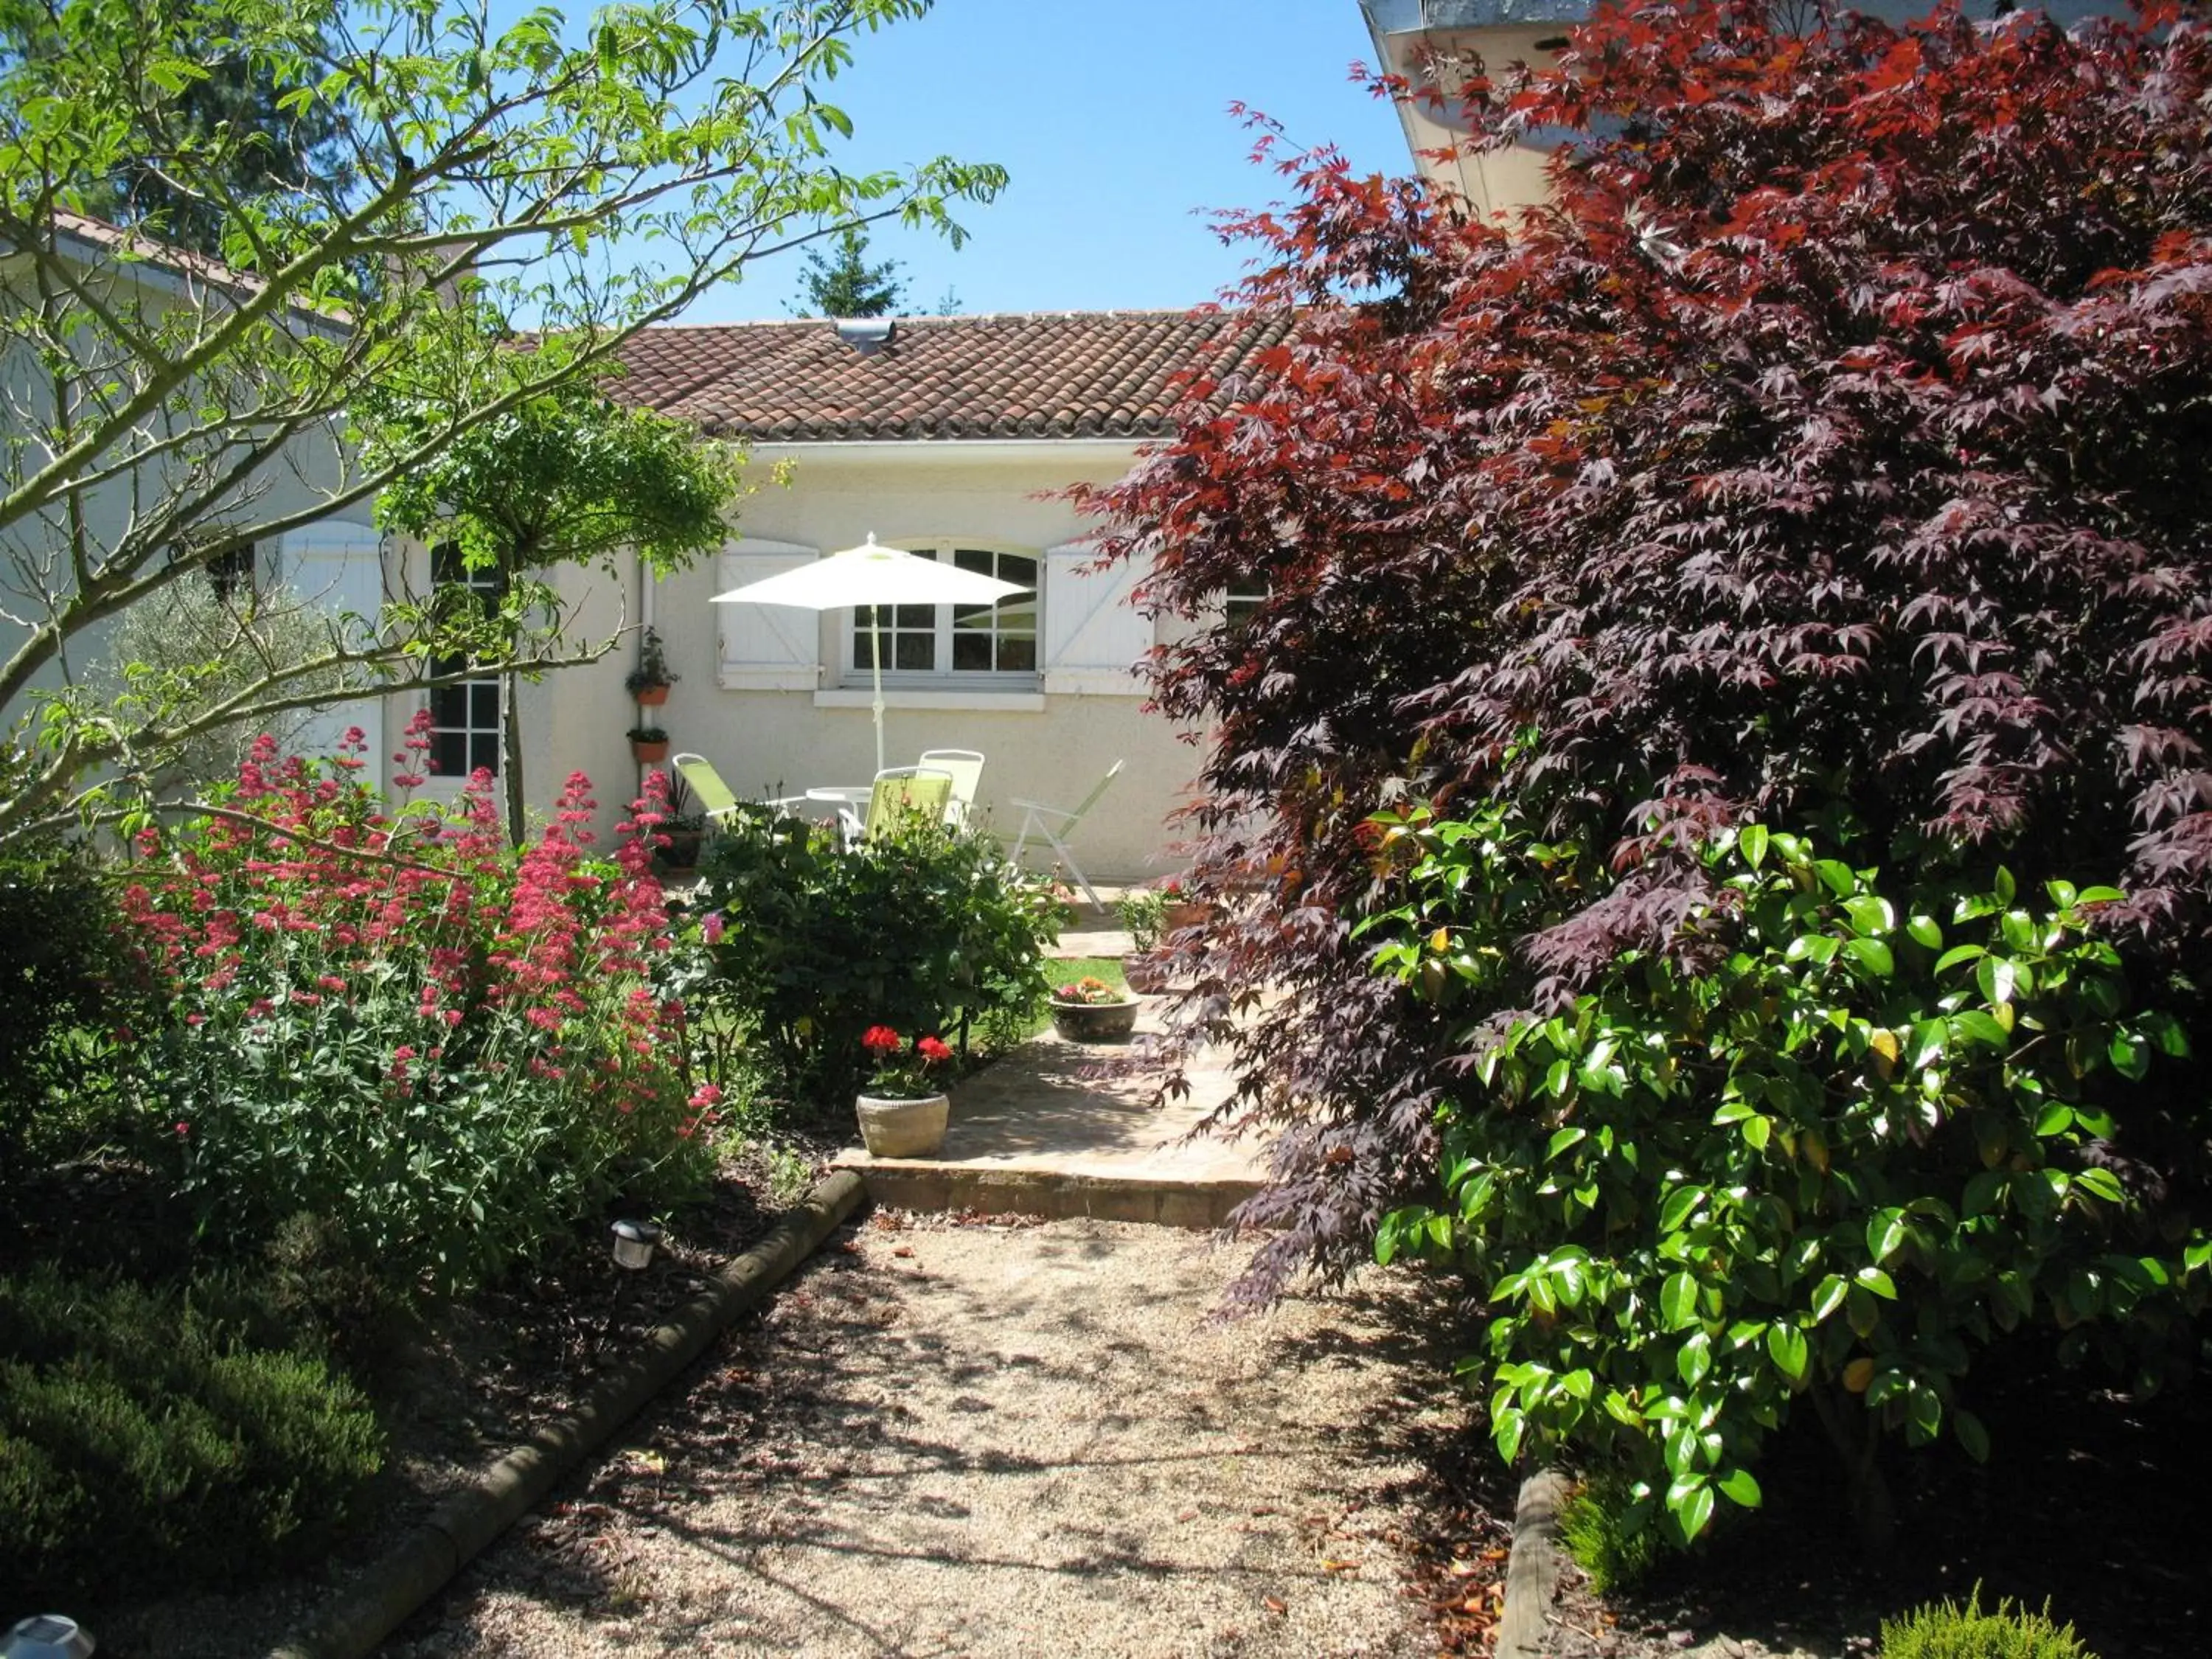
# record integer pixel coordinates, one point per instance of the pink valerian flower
(713, 927)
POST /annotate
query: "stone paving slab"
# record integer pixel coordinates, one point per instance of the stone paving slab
(1063, 1129)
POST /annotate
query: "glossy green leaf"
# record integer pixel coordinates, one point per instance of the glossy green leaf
(1787, 1347)
(1739, 1487)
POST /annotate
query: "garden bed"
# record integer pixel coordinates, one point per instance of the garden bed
(453, 1390)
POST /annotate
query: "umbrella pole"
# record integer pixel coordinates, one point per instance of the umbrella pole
(875, 664)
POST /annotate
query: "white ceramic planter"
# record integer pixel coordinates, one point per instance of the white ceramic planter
(904, 1128)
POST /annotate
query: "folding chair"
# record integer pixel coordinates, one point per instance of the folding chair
(713, 796)
(965, 768)
(1056, 824)
(717, 801)
(900, 793)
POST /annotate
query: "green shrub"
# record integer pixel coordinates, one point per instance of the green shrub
(1832, 1142)
(1607, 1529)
(815, 942)
(144, 1442)
(63, 993)
(1944, 1630)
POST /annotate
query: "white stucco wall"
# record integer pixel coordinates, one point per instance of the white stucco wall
(1050, 745)
(334, 565)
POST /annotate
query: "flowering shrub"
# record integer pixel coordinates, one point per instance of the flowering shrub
(444, 1048)
(900, 1073)
(1088, 991)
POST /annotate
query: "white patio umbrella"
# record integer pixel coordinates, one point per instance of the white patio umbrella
(873, 576)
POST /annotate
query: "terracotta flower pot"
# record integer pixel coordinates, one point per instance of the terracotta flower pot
(904, 1128)
(1095, 1022)
(648, 753)
(1146, 974)
(652, 696)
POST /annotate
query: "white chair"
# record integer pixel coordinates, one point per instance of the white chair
(965, 768)
(1055, 824)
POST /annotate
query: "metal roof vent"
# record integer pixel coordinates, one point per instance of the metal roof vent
(867, 335)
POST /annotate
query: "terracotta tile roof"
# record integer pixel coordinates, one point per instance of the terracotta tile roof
(1067, 375)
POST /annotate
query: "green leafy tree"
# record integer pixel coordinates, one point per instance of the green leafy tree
(582, 180)
(230, 109)
(844, 284)
(567, 478)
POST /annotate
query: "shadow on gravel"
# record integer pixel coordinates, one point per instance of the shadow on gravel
(793, 1434)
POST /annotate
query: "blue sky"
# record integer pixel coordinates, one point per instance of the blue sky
(1113, 118)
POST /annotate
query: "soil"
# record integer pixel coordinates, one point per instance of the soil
(1000, 1439)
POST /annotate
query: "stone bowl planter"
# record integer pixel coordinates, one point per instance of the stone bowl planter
(1096, 1022)
(904, 1128)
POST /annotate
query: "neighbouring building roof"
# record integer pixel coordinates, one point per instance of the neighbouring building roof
(1045, 374)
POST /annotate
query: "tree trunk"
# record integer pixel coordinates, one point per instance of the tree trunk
(510, 759)
(1856, 1438)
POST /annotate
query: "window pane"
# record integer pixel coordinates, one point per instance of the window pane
(1018, 654)
(912, 616)
(449, 706)
(975, 558)
(914, 651)
(971, 652)
(483, 704)
(484, 751)
(449, 753)
(1014, 567)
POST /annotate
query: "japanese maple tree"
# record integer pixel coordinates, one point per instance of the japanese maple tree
(1828, 450)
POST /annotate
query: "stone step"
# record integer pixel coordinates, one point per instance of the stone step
(1064, 1129)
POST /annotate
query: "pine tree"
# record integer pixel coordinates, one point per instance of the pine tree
(845, 284)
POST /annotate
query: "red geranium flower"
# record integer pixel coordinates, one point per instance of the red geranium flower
(933, 1049)
(882, 1040)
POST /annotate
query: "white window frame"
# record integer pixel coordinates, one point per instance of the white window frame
(490, 585)
(852, 673)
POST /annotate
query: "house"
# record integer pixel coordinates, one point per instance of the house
(952, 436)
(1437, 44)
(275, 516)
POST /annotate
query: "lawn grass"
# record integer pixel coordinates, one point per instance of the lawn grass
(1066, 970)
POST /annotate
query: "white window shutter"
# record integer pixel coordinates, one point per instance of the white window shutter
(338, 569)
(766, 648)
(1093, 633)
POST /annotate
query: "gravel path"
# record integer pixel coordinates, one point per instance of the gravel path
(1004, 1439)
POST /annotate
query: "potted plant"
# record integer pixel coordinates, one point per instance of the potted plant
(1091, 1010)
(649, 743)
(685, 829)
(1144, 915)
(1182, 911)
(649, 681)
(902, 1111)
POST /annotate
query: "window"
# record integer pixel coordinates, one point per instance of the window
(465, 723)
(1243, 598)
(957, 642)
(233, 571)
